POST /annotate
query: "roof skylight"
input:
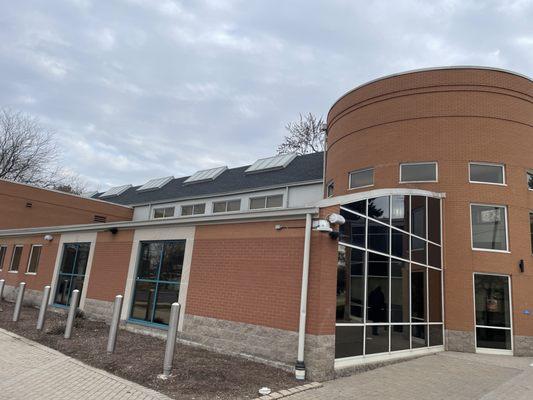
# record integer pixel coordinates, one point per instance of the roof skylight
(271, 163)
(89, 194)
(154, 184)
(116, 191)
(206, 175)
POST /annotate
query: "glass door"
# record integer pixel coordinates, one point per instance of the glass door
(493, 313)
(71, 272)
(158, 279)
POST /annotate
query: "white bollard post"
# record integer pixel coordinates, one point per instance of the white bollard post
(18, 304)
(43, 309)
(115, 320)
(171, 339)
(72, 313)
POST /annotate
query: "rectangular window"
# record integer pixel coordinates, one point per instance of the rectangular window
(3, 251)
(33, 262)
(530, 180)
(361, 178)
(193, 209)
(530, 227)
(418, 172)
(15, 258)
(227, 206)
(487, 173)
(330, 189)
(489, 227)
(72, 269)
(266, 202)
(164, 212)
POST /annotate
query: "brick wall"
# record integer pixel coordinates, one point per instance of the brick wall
(452, 117)
(248, 273)
(110, 265)
(51, 208)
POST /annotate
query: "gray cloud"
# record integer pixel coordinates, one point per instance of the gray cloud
(143, 88)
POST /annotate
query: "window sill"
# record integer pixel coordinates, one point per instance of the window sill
(488, 183)
(30, 273)
(360, 187)
(492, 251)
(405, 182)
(12, 272)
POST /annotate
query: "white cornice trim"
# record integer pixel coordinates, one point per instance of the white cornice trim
(350, 198)
(234, 217)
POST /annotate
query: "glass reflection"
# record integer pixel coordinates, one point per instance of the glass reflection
(377, 339)
(418, 215)
(378, 237)
(435, 295)
(418, 293)
(378, 208)
(400, 218)
(400, 337)
(419, 336)
(378, 288)
(353, 230)
(348, 341)
(350, 285)
(435, 335)
(399, 291)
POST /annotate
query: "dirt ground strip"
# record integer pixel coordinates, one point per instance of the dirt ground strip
(198, 373)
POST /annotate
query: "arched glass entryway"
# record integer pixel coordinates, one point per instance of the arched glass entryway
(389, 278)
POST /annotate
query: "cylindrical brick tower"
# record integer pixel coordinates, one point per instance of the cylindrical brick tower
(466, 134)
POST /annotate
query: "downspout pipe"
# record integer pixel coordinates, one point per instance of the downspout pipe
(300, 364)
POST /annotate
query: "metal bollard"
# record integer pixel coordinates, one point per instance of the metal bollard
(43, 309)
(18, 304)
(171, 338)
(113, 329)
(72, 312)
(2, 283)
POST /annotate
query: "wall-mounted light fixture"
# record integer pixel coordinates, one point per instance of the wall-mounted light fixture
(48, 238)
(521, 265)
(113, 230)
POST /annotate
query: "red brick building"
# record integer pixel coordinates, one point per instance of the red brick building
(431, 173)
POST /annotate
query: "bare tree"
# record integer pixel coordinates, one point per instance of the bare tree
(305, 136)
(29, 154)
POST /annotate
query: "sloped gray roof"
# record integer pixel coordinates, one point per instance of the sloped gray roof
(308, 167)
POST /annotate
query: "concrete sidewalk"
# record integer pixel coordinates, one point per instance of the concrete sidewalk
(447, 375)
(29, 371)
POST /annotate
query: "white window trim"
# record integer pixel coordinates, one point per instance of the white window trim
(192, 205)
(421, 163)
(266, 202)
(226, 208)
(489, 164)
(508, 251)
(331, 183)
(13, 257)
(483, 350)
(163, 208)
(528, 172)
(29, 259)
(357, 171)
(3, 246)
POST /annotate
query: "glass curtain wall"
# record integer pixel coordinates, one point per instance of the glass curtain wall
(158, 279)
(389, 278)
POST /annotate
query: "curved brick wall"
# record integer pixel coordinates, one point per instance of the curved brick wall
(451, 116)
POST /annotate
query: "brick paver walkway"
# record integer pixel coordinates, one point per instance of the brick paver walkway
(30, 371)
(446, 375)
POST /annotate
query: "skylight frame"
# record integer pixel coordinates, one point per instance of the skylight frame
(116, 191)
(155, 184)
(205, 175)
(271, 163)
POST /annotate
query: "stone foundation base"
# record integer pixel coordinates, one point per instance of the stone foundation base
(462, 341)
(31, 297)
(99, 309)
(523, 346)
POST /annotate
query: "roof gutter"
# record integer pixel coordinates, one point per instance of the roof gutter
(235, 217)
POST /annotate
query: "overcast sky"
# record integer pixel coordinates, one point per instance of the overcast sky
(136, 89)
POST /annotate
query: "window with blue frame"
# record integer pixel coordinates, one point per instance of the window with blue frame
(72, 271)
(158, 279)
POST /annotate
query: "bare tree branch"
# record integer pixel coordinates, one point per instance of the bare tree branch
(305, 136)
(29, 154)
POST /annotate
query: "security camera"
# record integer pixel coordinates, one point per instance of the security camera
(48, 238)
(336, 219)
